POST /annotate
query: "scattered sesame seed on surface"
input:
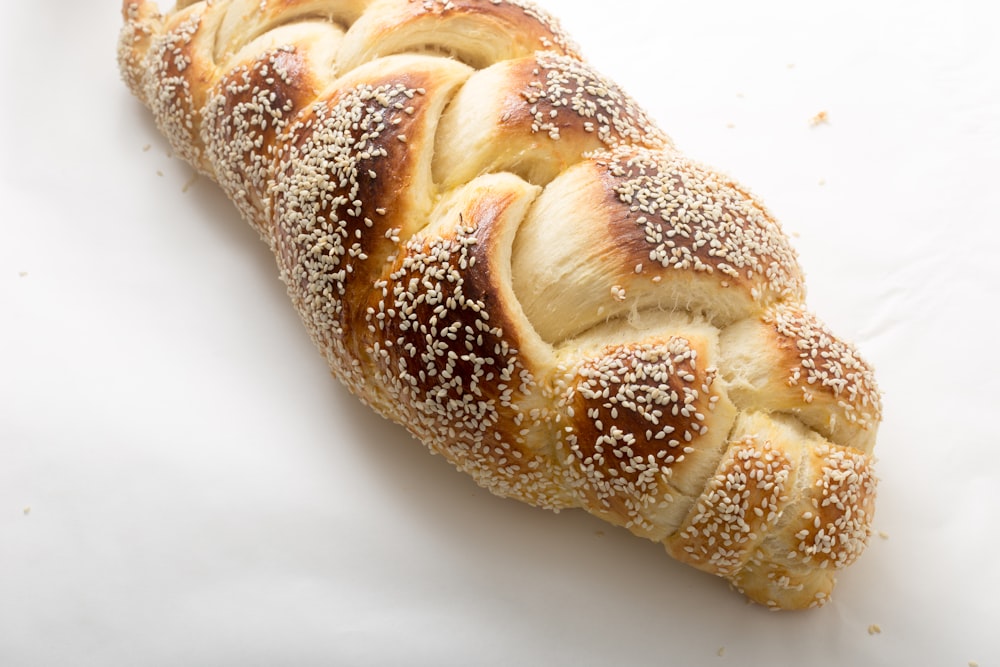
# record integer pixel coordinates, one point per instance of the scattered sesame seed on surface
(874, 629)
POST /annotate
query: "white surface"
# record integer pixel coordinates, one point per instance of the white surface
(182, 483)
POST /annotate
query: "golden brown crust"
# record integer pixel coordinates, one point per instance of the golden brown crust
(742, 502)
(787, 361)
(476, 32)
(246, 111)
(495, 246)
(351, 181)
(644, 427)
(536, 116)
(447, 349)
(680, 216)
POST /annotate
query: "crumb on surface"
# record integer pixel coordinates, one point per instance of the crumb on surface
(147, 148)
(819, 119)
(884, 535)
(190, 182)
(722, 651)
(27, 511)
(874, 629)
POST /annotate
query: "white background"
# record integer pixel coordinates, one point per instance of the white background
(182, 482)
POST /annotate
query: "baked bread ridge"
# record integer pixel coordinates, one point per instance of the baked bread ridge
(494, 246)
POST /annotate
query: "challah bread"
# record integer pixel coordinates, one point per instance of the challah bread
(496, 247)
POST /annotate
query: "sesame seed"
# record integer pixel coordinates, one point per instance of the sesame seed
(402, 295)
(829, 363)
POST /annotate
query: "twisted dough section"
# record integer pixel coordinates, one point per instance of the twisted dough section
(494, 246)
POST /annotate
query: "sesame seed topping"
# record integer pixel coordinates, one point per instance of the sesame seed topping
(696, 220)
(565, 85)
(738, 507)
(842, 507)
(555, 37)
(405, 283)
(167, 90)
(449, 368)
(826, 363)
(627, 401)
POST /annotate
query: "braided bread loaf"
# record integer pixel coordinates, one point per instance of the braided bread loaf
(494, 246)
